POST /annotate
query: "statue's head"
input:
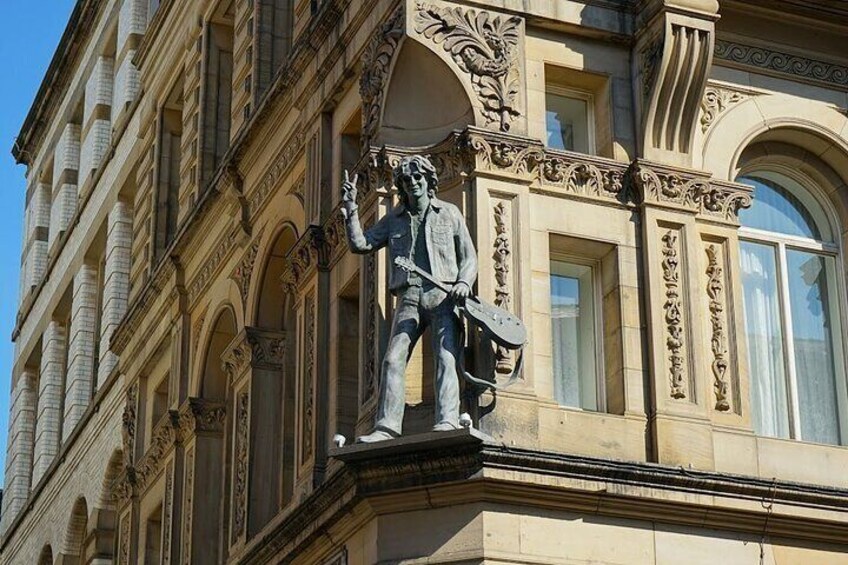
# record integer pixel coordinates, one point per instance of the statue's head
(413, 175)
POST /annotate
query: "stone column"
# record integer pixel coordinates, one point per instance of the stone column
(65, 177)
(132, 21)
(78, 384)
(116, 283)
(97, 127)
(52, 376)
(19, 446)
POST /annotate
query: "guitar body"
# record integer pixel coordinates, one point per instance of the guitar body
(502, 327)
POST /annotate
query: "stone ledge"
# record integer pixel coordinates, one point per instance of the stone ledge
(405, 445)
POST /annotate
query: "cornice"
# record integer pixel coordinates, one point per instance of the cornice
(56, 79)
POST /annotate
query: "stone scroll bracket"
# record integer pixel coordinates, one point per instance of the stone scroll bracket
(673, 55)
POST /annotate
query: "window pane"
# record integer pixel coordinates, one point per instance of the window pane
(573, 331)
(811, 301)
(769, 406)
(775, 209)
(567, 122)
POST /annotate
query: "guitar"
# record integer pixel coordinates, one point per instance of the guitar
(502, 327)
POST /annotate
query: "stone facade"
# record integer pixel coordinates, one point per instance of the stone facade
(193, 332)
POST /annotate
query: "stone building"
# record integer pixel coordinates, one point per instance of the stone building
(656, 187)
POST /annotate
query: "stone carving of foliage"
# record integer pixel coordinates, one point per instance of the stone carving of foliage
(243, 271)
(124, 553)
(715, 292)
(240, 467)
(673, 314)
(369, 381)
(375, 71)
(187, 506)
(502, 252)
(128, 421)
(167, 516)
(485, 47)
(308, 379)
(715, 102)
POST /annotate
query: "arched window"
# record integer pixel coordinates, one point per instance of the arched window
(793, 312)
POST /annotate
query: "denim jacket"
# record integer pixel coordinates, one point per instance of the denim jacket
(449, 247)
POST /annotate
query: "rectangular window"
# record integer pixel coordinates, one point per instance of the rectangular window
(569, 120)
(574, 331)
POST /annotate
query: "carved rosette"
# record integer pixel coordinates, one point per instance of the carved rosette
(486, 47)
(501, 256)
(718, 339)
(375, 71)
(308, 415)
(128, 424)
(673, 308)
(370, 373)
(240, 464)
(715, 102)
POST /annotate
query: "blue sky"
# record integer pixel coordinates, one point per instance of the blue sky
(29, 33)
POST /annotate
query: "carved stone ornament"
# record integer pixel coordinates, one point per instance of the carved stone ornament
(240, 465)
(715, 102)
(164, 436)
(244, 270)
(167, 515)
(718, 341)
(777, 62)
(486, 47)
(199, 415)
(308, 379)
(673, 188)
(375, 71)
(253, 348)
(673, 315)
(370, 368)
(188, 509)
(501, 256)
(124, 535)
(128, 424)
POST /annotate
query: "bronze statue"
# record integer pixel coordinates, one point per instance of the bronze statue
(425, 236)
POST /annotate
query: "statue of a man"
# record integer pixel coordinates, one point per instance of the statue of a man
(433, 235)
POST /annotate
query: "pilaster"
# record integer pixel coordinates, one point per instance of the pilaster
(132, 21)
(116, 279)
(96, 126)
(79, 380)
(65, 177)
(19, 451)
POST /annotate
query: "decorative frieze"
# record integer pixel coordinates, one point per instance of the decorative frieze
(212, 264)
(188, 509)
(718, 332)
(303, 259)
(280, 167)
(484, 46)
(791, 65)
(164, 436)
(124, 543)
(673, 309)
(376, 63)
(167, 514)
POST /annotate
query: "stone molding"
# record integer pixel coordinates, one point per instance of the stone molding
(718, 331)
(771, 61)
(242, 273)
(485, 46)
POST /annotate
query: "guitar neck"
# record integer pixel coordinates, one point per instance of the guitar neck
(428, 277)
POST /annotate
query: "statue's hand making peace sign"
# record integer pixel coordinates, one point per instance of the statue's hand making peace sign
(349, 194)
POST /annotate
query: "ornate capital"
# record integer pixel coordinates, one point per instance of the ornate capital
(199, 415)
(254, 348)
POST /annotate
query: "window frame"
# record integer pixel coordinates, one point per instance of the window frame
(597, 324)
(838, 311)
(577, 94)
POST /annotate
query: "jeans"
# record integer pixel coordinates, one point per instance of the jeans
(417, 309)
